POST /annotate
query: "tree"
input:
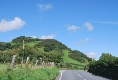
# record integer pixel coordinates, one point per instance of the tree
(106, 66)
(2, 46)
(8, 45)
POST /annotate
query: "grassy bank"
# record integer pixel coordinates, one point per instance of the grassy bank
(27, 73)
(72, 62)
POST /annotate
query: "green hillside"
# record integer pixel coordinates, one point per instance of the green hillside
(71, 61)
(50, 50)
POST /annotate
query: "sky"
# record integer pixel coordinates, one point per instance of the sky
(90, 26)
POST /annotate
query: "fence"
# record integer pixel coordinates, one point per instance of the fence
(43, 64)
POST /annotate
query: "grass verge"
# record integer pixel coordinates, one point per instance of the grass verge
(27, 73)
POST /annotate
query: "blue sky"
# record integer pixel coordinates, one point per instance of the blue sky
(89, 26)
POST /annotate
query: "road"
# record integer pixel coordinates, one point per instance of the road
(78, 75)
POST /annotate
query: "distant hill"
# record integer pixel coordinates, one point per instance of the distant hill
(50, 50)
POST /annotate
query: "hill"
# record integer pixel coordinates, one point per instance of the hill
(49, 50)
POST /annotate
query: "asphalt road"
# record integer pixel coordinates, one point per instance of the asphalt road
(78, 75)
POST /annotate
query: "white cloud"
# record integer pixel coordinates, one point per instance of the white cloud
(92, 55)
(85, 40)
(48, 37)
(107, 22)
(89, 26)
(45, 7)
(14, 24)
(72, 28)
(33, 36)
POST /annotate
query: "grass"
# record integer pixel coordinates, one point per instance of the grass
(73, 62)
(31, 44)
(3, 66)
(27, 73)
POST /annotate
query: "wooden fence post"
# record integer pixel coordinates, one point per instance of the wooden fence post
(13, 61)
(43, 63)
(52, 64)
(36, 63)
(27, 60)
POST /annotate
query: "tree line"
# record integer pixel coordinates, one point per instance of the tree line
(106, 66)
(34, 54)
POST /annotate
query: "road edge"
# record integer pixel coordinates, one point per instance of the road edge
(60, 75)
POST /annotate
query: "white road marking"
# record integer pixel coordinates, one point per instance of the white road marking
(61, 74)
(79, 75)
(74, 71)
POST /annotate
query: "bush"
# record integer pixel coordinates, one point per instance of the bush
(106, 66)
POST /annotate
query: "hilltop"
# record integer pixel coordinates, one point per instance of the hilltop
(49, 50)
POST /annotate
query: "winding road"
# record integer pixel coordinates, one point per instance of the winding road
(78, 75)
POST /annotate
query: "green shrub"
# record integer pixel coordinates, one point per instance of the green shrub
(106, 66)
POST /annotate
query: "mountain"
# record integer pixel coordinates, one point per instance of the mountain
(49, 50)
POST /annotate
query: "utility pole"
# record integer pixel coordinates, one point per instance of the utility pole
(23, 53)
(23, 44)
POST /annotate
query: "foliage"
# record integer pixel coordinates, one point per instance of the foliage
(4, 46)
(26, 39)
(49, 50)
(29, 74)
(106, 66)
(79, 56)
(51, 44)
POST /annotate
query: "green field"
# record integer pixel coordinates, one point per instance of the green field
(67, 59)
(31, 44)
